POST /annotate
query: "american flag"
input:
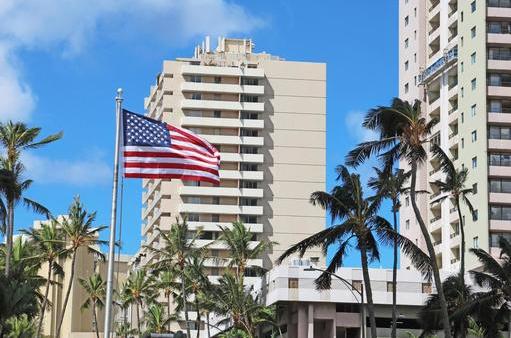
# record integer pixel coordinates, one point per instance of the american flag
(154, 149)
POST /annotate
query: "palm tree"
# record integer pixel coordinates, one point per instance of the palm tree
(124, 330)
(156, 320)
(178, 247)
(237, 303)
(123, 300)
(13, 187)
(388, 185)
(496, 278)
(21, 327)
(95, 288)
(80, 233)
(140, 288)
(238, 241)
(403, 132)
(167, 283)
(50, 242)
(359, 224)
(454, 187)
(15, 138)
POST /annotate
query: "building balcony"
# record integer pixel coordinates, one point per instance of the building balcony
(219, 245)
(211, 262)
(495, 91)
(222, 105)
(455, 241)
(222, 71)
(453, 90)
(214, 226)
(241, 175)
(497, 9)
(434, 105)
(236, 140)
(235, 157)
(499, 171)
(191, 121)
(453, 216)
(496, 39)
(500, 225)
(204, 87)
(453, 140)
(500, 198)
(494, 144)
(219, 191)
(499, 118)
(221, 209)
(435, 224)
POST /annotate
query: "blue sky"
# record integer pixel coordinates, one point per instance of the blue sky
(61, 62)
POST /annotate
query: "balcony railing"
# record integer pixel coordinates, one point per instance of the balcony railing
(455, 260)
(433, 220)
(437, 243)
(503, 110)
(454, 234)
(453, 210)
(433, 6)
(434, 171)
(438, 65)
(453, 135)
(453, 109)
(499, 3)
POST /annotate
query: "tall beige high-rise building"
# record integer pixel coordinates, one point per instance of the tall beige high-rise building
(455, 56)
(267, 117)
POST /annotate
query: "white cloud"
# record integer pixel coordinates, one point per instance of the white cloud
(69, 26)
(354, 122)
(91, 172)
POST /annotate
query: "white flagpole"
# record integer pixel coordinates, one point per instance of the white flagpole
(111, 249)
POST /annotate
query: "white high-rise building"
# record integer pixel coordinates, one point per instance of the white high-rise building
(455, 56)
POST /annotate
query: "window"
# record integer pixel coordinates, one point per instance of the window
(215, 271)
(215, 218)
(474, 188)
(248, 167)
(473, 110)
(461, 67)
(462, 92)
(249, 132)
(407, 226)
(249, 184)
(406, 43)
(473, 58)
(474, 135)
(407, 201)
(406, 88)
(503, 160)
(415, 57)
(500, 133)
(495, 106)
(249, 98)
(426, 288)
(500, 186)
(196, 78)
(390, 286)
(217, 114)
(473, 83)
(218, 79)
(292, 283)
(473, 6)
(461, 16)
(357, 285)
(407, 20)
(475, 215)
(462, 117)
(248, 219)
(248, 150)
(415, 12)
(216, 200)
(461, 39)
(196, 96)
(475, 242)
(249, 81)
(406, 65)
(415, 35)
(193, 217)
(474, 162)
(462, 143)
(473, 32)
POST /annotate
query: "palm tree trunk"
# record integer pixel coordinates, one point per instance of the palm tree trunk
(369, 292)
(431, 251)
(168, 308)
(9, 235)
(463, 332)
(197, 310)
(207, 321)
(183, 294)
(96, 326)
(68, 292)
(394, 274)
(45, 300)
(138, 319)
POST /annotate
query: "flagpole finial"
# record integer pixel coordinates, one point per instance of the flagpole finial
(119, 93)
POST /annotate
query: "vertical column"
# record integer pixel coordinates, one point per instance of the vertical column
(302, 321)
(310, 322)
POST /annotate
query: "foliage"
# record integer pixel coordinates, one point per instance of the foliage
(156, 319)
(21, 327)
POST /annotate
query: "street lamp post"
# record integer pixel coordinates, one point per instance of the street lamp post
(351, 288)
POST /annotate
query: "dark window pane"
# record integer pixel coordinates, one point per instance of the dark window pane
(495, 212)
(495, 186)
(506, 186)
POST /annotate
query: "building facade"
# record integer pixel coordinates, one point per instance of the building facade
(305, 312)
(267, 117)
(455, 56)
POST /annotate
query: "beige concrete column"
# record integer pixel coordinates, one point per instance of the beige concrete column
(302, 321)
(310, 317)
